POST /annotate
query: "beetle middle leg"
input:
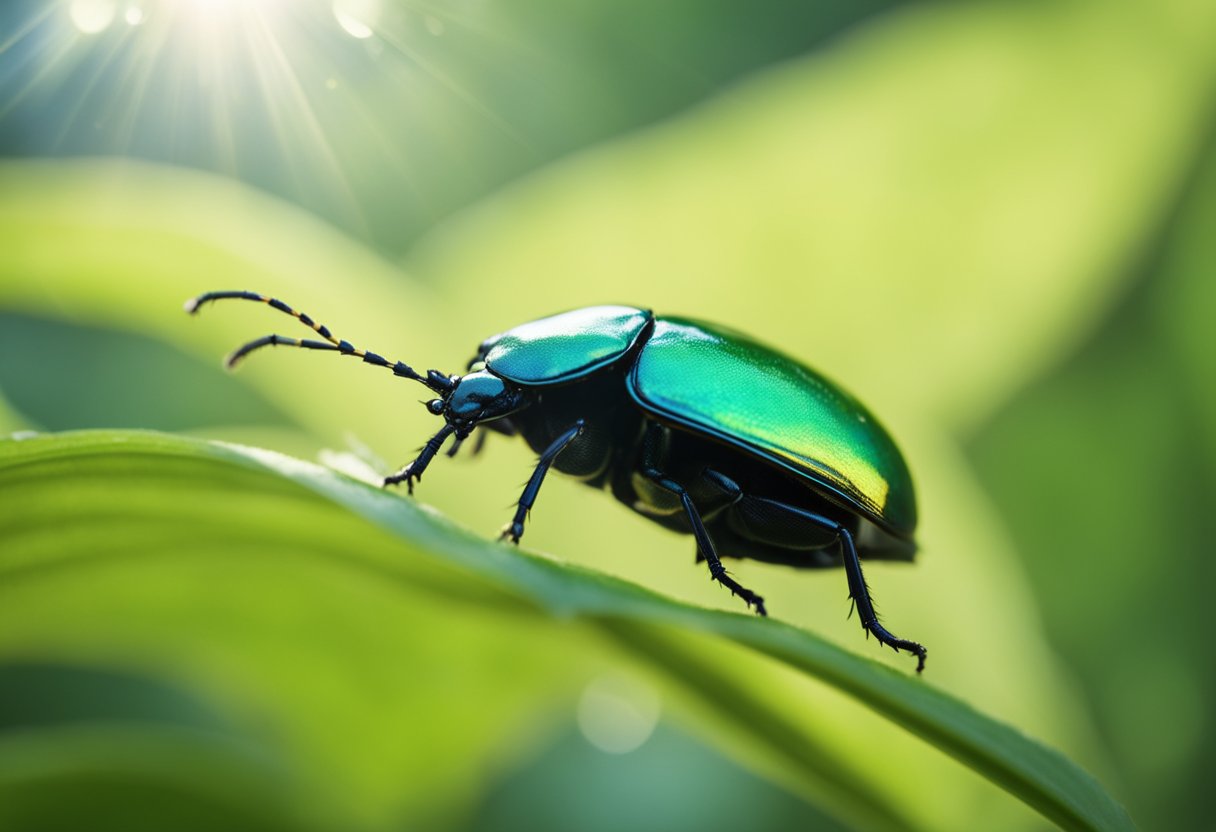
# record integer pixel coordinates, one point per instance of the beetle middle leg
(514, 530)
(652, 443)
(478, 444)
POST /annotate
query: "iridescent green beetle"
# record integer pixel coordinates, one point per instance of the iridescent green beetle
(692, 425)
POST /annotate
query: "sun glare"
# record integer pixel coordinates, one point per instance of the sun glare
(92, 16)
(284, 94)
(358, 18)
(238, 85)
(211, 7)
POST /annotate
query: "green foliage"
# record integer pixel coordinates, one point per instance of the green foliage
(983, 219)
(1123, 433)
(147, 506)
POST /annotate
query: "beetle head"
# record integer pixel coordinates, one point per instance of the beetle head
(467, 401)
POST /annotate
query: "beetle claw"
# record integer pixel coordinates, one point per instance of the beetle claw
(404, 476)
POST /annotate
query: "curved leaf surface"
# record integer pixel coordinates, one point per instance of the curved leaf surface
(129, 475)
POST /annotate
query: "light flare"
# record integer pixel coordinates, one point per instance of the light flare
(618, 713)
(92, 16)
(244, 88)
(359, 18)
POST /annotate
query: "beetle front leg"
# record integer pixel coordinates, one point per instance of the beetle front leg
(514, 530)
(415, 469)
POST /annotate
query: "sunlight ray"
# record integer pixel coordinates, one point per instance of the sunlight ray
(113, 52)
(62, 59)
(457, 89)
(137, 81)
(313, 128)
(27, 28)
(249, 88)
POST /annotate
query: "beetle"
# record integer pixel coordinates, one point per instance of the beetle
(697, 427)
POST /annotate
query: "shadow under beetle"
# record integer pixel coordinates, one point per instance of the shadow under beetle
(696, 427)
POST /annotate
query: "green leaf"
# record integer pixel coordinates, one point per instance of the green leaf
(132, 751)
(153, 514)
(10, 421)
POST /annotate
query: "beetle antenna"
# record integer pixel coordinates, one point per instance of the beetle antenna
(330, 344)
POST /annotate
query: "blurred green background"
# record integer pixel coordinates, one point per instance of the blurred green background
(992, 221)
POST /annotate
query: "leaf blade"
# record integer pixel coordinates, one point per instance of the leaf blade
(1037, 775)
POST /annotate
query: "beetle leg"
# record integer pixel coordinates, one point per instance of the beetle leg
(514, 530)
(716, 570)
(414, 470)
(479, 442)
(725, 493)
(860, 594)
(705, 545)
(654, 445)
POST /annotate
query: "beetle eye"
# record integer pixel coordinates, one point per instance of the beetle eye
(435, 406)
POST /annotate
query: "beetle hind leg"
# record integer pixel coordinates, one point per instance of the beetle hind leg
(860, 593)
(771, 522)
